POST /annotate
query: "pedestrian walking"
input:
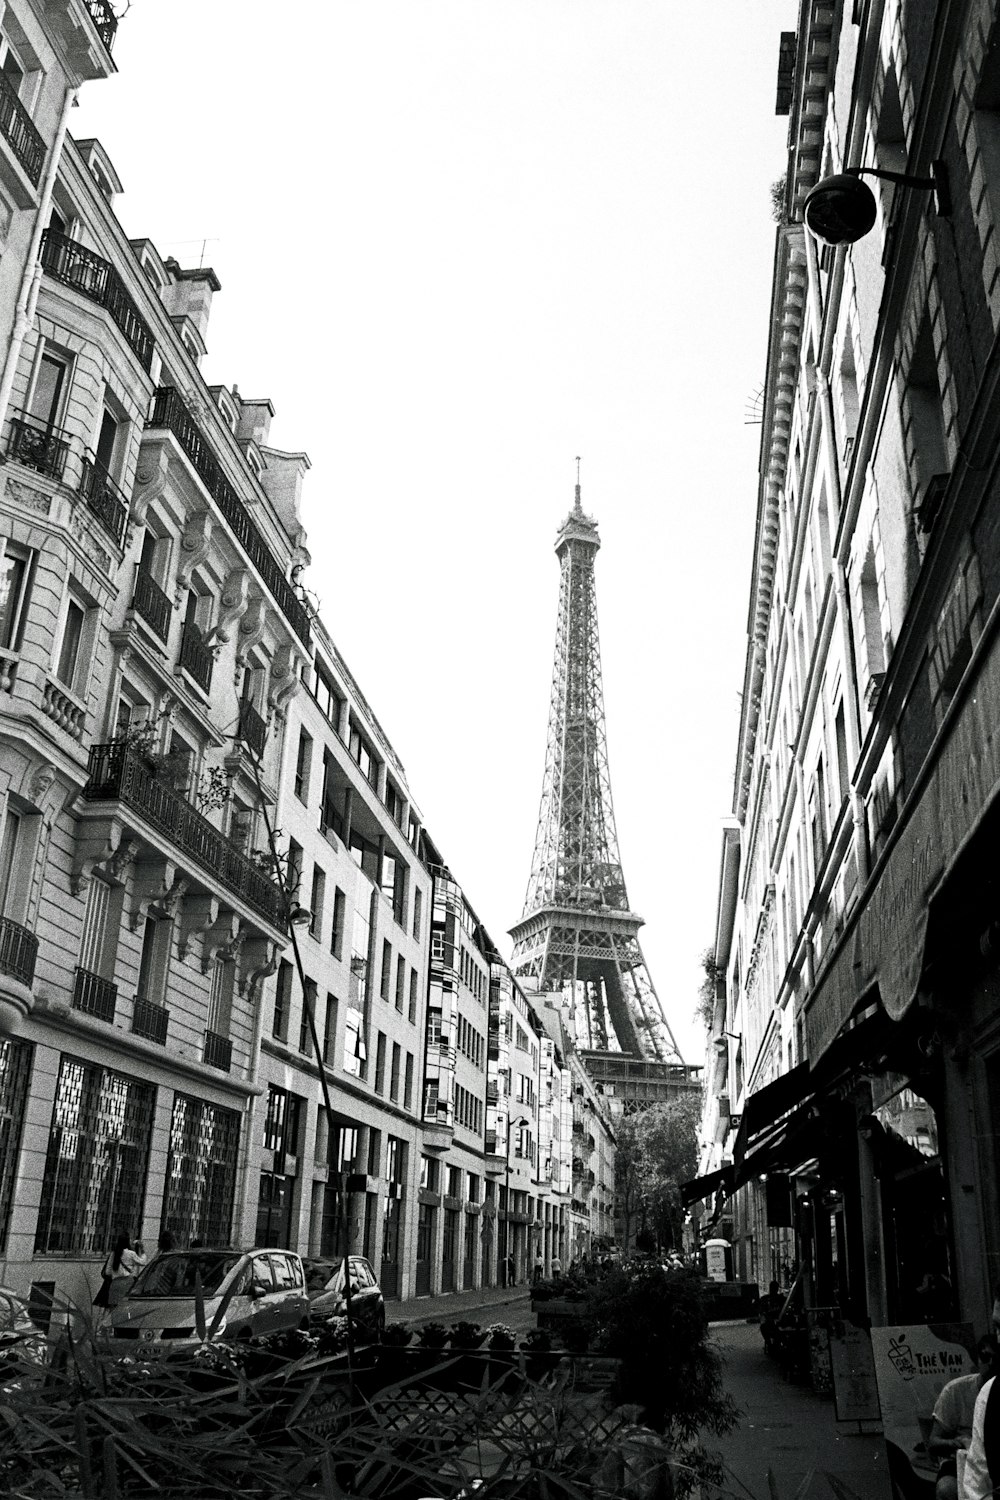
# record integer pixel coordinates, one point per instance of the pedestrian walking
(508, 1265)
(539, 1269)
(121, 1265)
(556, 1266)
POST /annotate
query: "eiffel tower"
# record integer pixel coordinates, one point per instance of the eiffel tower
(578, 939)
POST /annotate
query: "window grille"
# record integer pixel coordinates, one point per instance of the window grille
(94, 1184)
(15, 1071)
(201, 1171)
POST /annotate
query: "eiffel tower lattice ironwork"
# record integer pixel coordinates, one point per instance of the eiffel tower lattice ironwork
(577, 934)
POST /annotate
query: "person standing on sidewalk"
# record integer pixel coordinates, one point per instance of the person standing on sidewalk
(539, 1269)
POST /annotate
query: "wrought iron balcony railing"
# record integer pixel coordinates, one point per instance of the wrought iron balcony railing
(104, 497)
(96, 278)
(105, 20)
(18, 131)
(218, 1052)
(94, 996)
(253, 728)
(116, 772)
(18, 951)
(170, 412)
(150, 1020)
(195, 657)
(151, 603)
(44, 449)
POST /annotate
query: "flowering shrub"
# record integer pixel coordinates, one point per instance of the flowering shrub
(466, 1335)
(500, 1336)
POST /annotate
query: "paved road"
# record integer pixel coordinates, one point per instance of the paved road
(789, 1431)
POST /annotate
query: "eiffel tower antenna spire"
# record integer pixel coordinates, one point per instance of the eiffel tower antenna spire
(578, 935)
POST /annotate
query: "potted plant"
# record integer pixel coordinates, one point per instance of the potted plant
(464, 1335)
(538, 1357)
(396, 1335)
(432, 1336)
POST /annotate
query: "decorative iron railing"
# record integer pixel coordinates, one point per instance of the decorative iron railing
(170, 412)
(116, 772)
(18, 131)
(41, 448)
(149, 601)
(218, 1052)
(195, 657)
(105, 20)
(94, 277)
(104, 497)
(18, 951)
(150, 1020)
(253, 728)
(94, 996)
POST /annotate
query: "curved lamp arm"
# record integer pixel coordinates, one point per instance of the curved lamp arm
(937, 181)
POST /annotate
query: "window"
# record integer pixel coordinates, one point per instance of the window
(434, 1028)
(339, 912)
(871, 615)
(386, 970)
(200, 1185)
(154, 561)
(397, 1053)
(380, 1062)
(281, 1124)
(220, 1001)
(107, 441)
(330, 1029)
(282, 1001)
(97, 1159)
(316, 902)
(293, 870)
(15, 1074)
(408, 1082)
(15, 581)
(154, 961)
(359, 957)
(927, 436)
(393, 803)
(308, 1001)
(11, 854)
(49, 389)
(412, 1011)
(72, 639)
(101, 925)
(418, 909)
(355, 1052)
(400, 982)
(329, 700)
(11, 66)
(303, 764)
(360, 752)
(840, 734)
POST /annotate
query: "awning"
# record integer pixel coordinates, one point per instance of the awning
(766, 1106)
(883, 941)
(703, 1187)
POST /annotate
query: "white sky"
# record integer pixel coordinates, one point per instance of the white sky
(461, 241)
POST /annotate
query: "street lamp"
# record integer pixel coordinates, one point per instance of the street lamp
(841, 209)
(512, 1125)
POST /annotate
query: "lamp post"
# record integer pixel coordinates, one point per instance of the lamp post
(840, 210)
(512, 1125)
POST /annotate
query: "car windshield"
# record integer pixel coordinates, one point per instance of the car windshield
(321, 1274)
(173, 1275)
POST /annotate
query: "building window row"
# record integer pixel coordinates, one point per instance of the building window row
(468, 1110)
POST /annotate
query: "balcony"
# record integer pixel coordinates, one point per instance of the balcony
(20, 134)
(150, 1020)
(105, 20)
(95, 996)
(95, 278)
(169, 412)
(253, 729)
(104, 497)
(44, 449)
(151, 603)
(218, 1052)
(117, 773)
(18, 951)
(195, 657)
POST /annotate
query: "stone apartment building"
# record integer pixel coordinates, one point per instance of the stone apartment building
(851, 1137)
(178, 731)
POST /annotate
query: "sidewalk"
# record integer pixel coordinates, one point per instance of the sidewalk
(499, 1302)
(789, 1431)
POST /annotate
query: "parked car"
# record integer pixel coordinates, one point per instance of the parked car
(325, 1286)
(258, 1291)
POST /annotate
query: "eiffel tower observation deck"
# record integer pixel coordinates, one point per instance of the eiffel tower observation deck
(578, 939)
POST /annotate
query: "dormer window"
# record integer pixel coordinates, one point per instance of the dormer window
(255, 461)
(226, 408)
(151, 274)
(188, 341)
(103, 185)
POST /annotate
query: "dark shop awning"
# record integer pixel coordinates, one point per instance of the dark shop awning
(703, 1187)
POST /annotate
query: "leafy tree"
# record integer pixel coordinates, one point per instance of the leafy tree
(706, 990)
(656, 1150)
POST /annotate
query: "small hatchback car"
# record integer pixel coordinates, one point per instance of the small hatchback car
(325, 1285)
(259, 1292)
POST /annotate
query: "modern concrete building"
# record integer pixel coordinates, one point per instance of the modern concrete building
(855, 1036)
